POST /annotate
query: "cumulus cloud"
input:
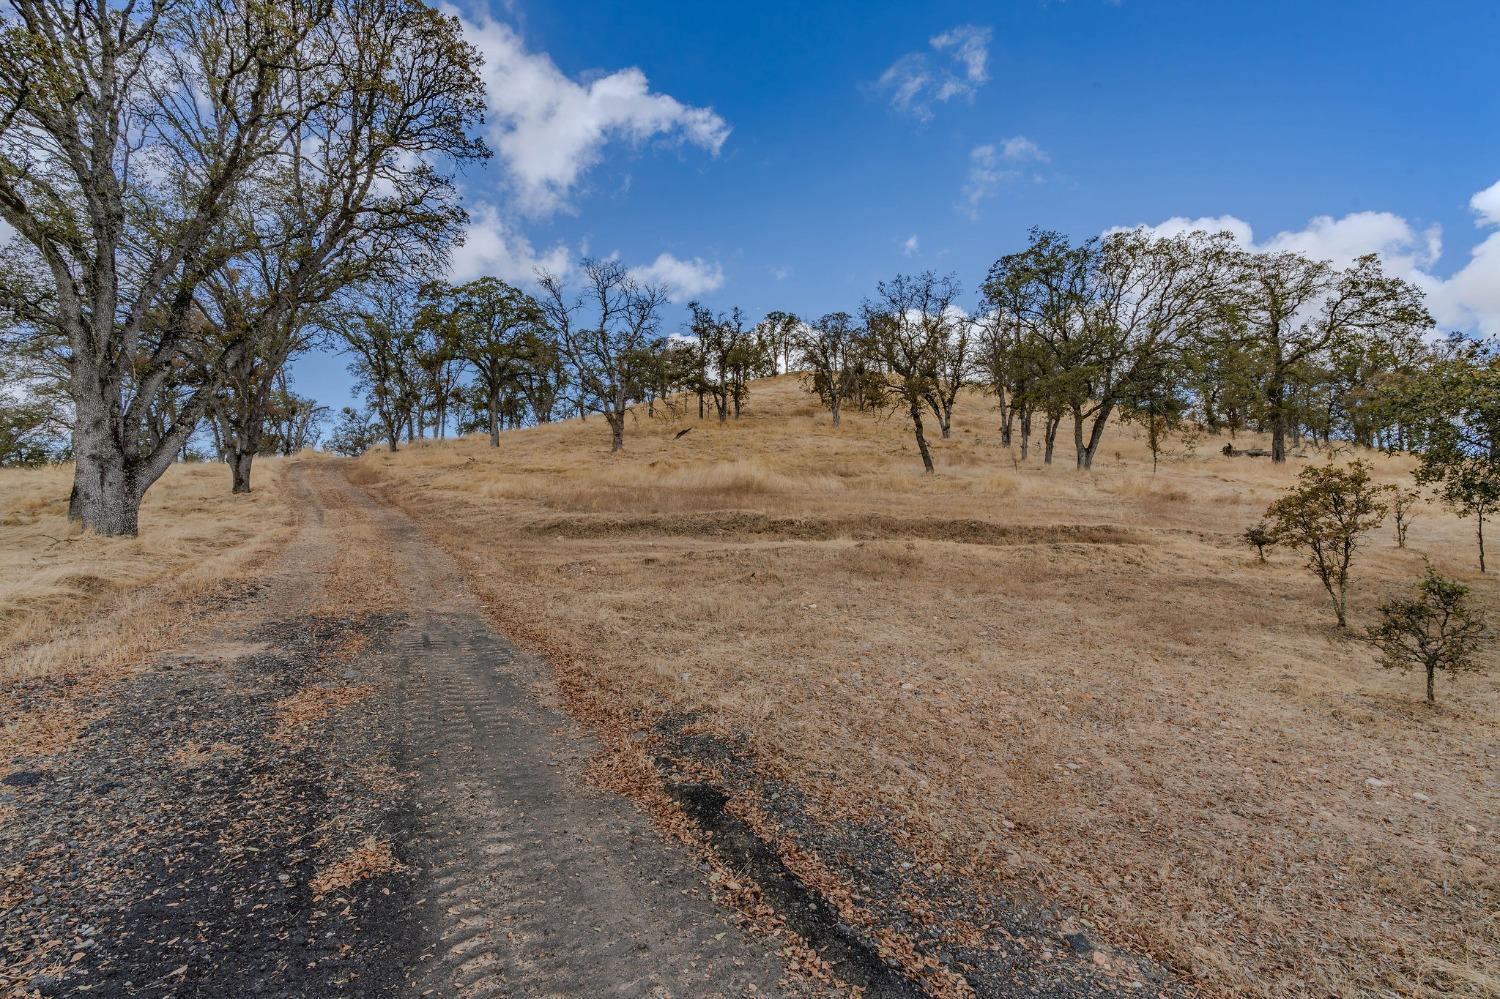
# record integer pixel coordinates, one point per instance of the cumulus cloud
(910, 245)
(955, 64)
(550, 129)
(1467, 299)
(992, 165)
(493, 249)
(1486, 205)
(682, 278)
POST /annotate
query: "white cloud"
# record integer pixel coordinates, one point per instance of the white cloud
(992, 165)
(492, 249)
(1468, 299)
(956, 66)
(1019, 149)
(1486, 205)
(910, 245)
(683, 278)
(781, 273)
(550, 129)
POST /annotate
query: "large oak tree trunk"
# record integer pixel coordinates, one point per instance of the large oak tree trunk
(239, 468)
(105, 498)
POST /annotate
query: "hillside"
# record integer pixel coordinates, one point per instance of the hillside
(1082, 689)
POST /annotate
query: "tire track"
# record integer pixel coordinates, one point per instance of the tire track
(534, 884)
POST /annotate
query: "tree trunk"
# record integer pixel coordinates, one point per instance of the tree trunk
(1007, 418)
(104, 498)
(1431, 693)
(1025, 433)
(1481, 541)
(239, 469)
(617, 434)
(1051, 439)
(494, 419)
(1276, 396)
(916, 422)
(1096, 434)
(833, 404)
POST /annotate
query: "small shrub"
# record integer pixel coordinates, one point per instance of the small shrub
(1261, 537)
(1435, 630)
(1326, 514)
(1404, 508)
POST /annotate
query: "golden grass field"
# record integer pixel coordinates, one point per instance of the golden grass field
(83, 611)
(1084, 683)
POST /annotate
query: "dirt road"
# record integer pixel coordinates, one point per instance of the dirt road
(351, 785)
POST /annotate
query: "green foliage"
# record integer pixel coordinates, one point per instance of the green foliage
(1459, 434)
(1437, 629)
(1403, 509)
(1260, 536)
(353, 435)
(1326, 515)
(24, 436)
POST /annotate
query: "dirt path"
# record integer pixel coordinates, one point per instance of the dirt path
(352, 787)
(540, 885)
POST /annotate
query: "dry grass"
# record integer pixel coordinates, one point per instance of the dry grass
(297, 713)
(1085, 682)
(371, 858)
(70, 600)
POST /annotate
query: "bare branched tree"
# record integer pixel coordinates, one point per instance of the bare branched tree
(603, 333)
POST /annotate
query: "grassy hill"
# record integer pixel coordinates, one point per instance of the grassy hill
(1084, 686)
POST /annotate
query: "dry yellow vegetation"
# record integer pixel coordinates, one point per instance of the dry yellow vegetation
(70, 600)
(1087, 683)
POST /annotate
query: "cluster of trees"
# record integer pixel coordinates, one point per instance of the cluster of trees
(191, 183)
(485, 355)
(200, 190)
(1154, 329)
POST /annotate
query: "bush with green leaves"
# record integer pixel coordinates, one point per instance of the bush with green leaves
(355, 434)
(1437, 629)
(1326, 515)
(1260, 536)
(1404, 509)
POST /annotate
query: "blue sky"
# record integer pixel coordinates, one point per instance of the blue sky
(790, 155)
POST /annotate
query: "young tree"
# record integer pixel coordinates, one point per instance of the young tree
(1327, 515)
(1438, 629)
(620, 317)
(1403, 509)
(353, 435)
(908, 328)
(1260, 537)
(829, 351)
